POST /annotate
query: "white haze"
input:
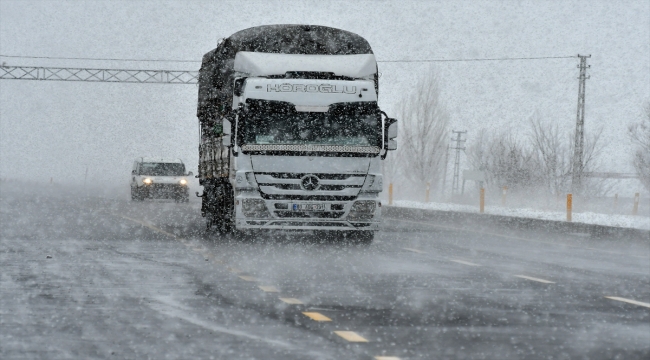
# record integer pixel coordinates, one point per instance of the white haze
(57, 129)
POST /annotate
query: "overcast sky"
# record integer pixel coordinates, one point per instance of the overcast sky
(56, 129)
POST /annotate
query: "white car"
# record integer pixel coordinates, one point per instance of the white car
(159, 178)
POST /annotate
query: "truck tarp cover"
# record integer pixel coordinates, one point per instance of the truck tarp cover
(217, 69)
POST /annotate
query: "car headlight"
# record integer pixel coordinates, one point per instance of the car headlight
(147, 181)
(362, 210)
(183, 182)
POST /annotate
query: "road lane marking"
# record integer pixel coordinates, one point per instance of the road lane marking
(515, 237)
(292, 301)
(414, 250)
(234, 270)
(387, 358)
(629, 301)
(268, 288)
(464, 262)
(174, 310)
(247, 278)
(535, 279)
(351, 336)
(316, 316)
(322, 309)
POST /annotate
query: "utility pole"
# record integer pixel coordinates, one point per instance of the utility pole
(444, 176)
(458, 147)
(578, 148)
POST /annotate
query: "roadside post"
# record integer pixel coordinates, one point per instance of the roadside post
(569, 206)
(503, 196)
(482, 205)
(426, 198)
(390, 194)
(635, 209)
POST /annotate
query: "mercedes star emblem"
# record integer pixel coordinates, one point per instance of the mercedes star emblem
(309, 183)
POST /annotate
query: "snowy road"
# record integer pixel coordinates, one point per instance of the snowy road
(92, 278)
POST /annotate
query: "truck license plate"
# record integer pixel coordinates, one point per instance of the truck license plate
(308, 207)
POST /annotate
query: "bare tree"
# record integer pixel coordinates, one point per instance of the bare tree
(541, 163)
(553, 159)
(425, 133)
(552, 156)
(505, 160)
(640, 135)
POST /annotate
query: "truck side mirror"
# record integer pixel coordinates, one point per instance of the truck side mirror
(390, 131)
(392, 134)
(238, 86)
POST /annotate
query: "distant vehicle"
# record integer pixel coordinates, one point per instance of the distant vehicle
(159, 178)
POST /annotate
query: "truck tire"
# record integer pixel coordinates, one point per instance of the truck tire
(218, 202)
(226, 208)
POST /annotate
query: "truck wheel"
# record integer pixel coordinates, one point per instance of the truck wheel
(225, 209)
(208, 221)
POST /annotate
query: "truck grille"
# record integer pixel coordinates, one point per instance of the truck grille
(331, 187)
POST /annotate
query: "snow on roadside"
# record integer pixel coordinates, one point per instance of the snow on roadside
(625, 221)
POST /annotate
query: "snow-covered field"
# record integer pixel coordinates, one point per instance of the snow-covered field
(626, 221)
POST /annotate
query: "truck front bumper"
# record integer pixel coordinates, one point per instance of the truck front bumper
(336, 215)
(305, 224)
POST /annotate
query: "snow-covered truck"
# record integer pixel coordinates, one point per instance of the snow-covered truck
(291, 136)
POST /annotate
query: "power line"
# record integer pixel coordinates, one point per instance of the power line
(197, 61)
(479, 59)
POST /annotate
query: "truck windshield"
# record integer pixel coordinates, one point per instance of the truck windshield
(272, 122)
(162, 169)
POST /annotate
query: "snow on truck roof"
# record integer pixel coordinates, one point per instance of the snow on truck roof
(159, 160)
(264, 64)
(217, 71)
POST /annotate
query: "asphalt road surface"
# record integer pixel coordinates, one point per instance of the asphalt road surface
(85, 277)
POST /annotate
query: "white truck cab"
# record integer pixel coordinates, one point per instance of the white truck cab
(292, 137)
(159, 178)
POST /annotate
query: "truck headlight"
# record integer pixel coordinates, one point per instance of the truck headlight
(183, 182)
(255, 208)
(147, 181)
(362, 210)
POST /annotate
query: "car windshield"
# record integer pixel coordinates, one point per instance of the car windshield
(162, 169)
(267, 122)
